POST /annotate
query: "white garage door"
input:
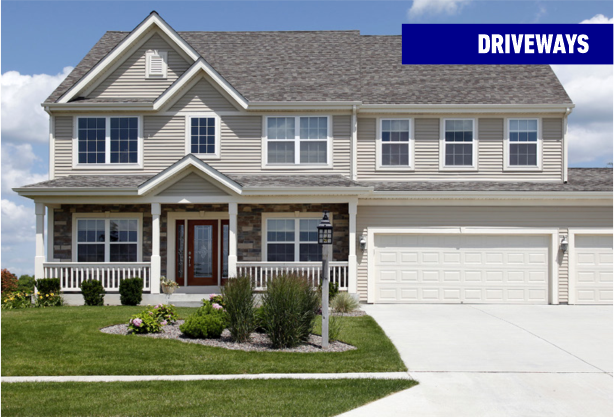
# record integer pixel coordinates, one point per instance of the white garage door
(461, 268)
(593, 269)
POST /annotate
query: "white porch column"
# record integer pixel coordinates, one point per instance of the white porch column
(156, 265)
(352, 263)
(233, 210)
(39, 260)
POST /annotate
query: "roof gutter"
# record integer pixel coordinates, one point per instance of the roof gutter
(494, 195)
(465, 108)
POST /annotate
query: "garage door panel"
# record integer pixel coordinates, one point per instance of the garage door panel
(470, 268)
(592, 268)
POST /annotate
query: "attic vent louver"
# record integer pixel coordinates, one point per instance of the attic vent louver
(156, 64)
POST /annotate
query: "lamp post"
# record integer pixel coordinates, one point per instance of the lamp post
(325, 237)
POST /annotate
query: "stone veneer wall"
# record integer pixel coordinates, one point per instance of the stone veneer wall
(249, 232)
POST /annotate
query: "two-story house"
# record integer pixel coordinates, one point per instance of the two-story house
(206, 155)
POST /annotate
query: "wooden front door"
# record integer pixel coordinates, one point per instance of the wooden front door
(203, 252)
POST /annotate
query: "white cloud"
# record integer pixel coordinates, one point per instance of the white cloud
(420, 7)
(590, 144)
(17, 164)
(598, 18)
(23, 118)
(18, 223)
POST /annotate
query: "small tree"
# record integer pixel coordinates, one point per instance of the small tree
(26, 283)
(9, 281)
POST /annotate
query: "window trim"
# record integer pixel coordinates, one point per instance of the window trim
(442, 146)
(162, 54)
(188, 135)
(106, 216)
(285, 216)
(297, 154)
(379, 166)
(507, 144)
(107, 164)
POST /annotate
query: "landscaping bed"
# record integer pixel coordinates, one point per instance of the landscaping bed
(258, 341)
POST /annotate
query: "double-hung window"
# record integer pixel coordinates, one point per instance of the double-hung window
(107, 240)
(203, 135)
(292, 240)
(300, 140)
(523, 144)
(395, 144)
(108, 141)
(459, 150)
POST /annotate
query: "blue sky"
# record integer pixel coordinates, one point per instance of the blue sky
(41, 39)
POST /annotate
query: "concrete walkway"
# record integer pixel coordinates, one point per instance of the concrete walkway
(490, 360)
(131, 378)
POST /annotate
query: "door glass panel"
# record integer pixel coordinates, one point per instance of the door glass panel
(203, 242)
(225, 251)
(180, 249)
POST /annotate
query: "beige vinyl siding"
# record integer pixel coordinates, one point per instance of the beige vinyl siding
(437, 216)
(192, 184)
(202, 97)
(128, 80)
(62, 161)
(241, 142)
(490, 134)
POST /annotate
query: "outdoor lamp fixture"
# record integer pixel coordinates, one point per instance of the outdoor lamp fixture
(363, 242)
(564, 244)
(325, 237)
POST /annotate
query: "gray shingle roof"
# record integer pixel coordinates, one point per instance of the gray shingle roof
(346, 66)
(580, 179)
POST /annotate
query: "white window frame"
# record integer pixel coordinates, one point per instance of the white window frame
(107, 164)
(508, 143)
(107, 229)
(188, 135)
(474, 144)
(379, 146)
(297, 216)
(297, 143)
(150, 54)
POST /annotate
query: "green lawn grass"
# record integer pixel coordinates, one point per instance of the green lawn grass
(195, 398)
(67, 341)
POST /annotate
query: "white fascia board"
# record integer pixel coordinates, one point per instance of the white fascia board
(492, 195)
(144, 26)
(465, 108)
(302, 105)
(193, 71)
(260, 191)
(83, 191)
(190, 161)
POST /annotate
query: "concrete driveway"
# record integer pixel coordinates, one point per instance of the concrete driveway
(499, 360)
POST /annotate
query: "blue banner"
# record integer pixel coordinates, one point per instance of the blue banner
(496, 44)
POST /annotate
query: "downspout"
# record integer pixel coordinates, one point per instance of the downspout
(354, 145)
(565, 145)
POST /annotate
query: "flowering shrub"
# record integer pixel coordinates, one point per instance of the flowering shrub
(15, 300)
(145, 322)
(217, 299)
(165, 313)
(9, 281)
(49, 300)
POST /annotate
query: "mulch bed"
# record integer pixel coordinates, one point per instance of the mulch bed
(258, 342)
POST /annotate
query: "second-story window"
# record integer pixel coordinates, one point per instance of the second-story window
(459, 139)
(203, 135)
(395, 146)
(108, 140)
(301, 140)
(523, 143)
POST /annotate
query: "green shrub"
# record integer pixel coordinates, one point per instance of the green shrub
(216, 299)
(131, 291)
(333, 289)
(26, 283)
(289, 309)
(165, 313)
(48, 285)
(145, 322)
(209, 321)
(239, 300)
(51, 299)
(14, 300)
(9, 281)
(344, 303)
(93, 293)
(259, 320)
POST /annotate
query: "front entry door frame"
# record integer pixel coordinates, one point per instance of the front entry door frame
(214, 249)
(173, 217)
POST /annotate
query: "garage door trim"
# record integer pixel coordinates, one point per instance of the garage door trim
(571, 238)
(552, 233)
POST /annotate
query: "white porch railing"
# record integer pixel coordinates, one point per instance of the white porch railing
(72, 274)
(260, 272)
